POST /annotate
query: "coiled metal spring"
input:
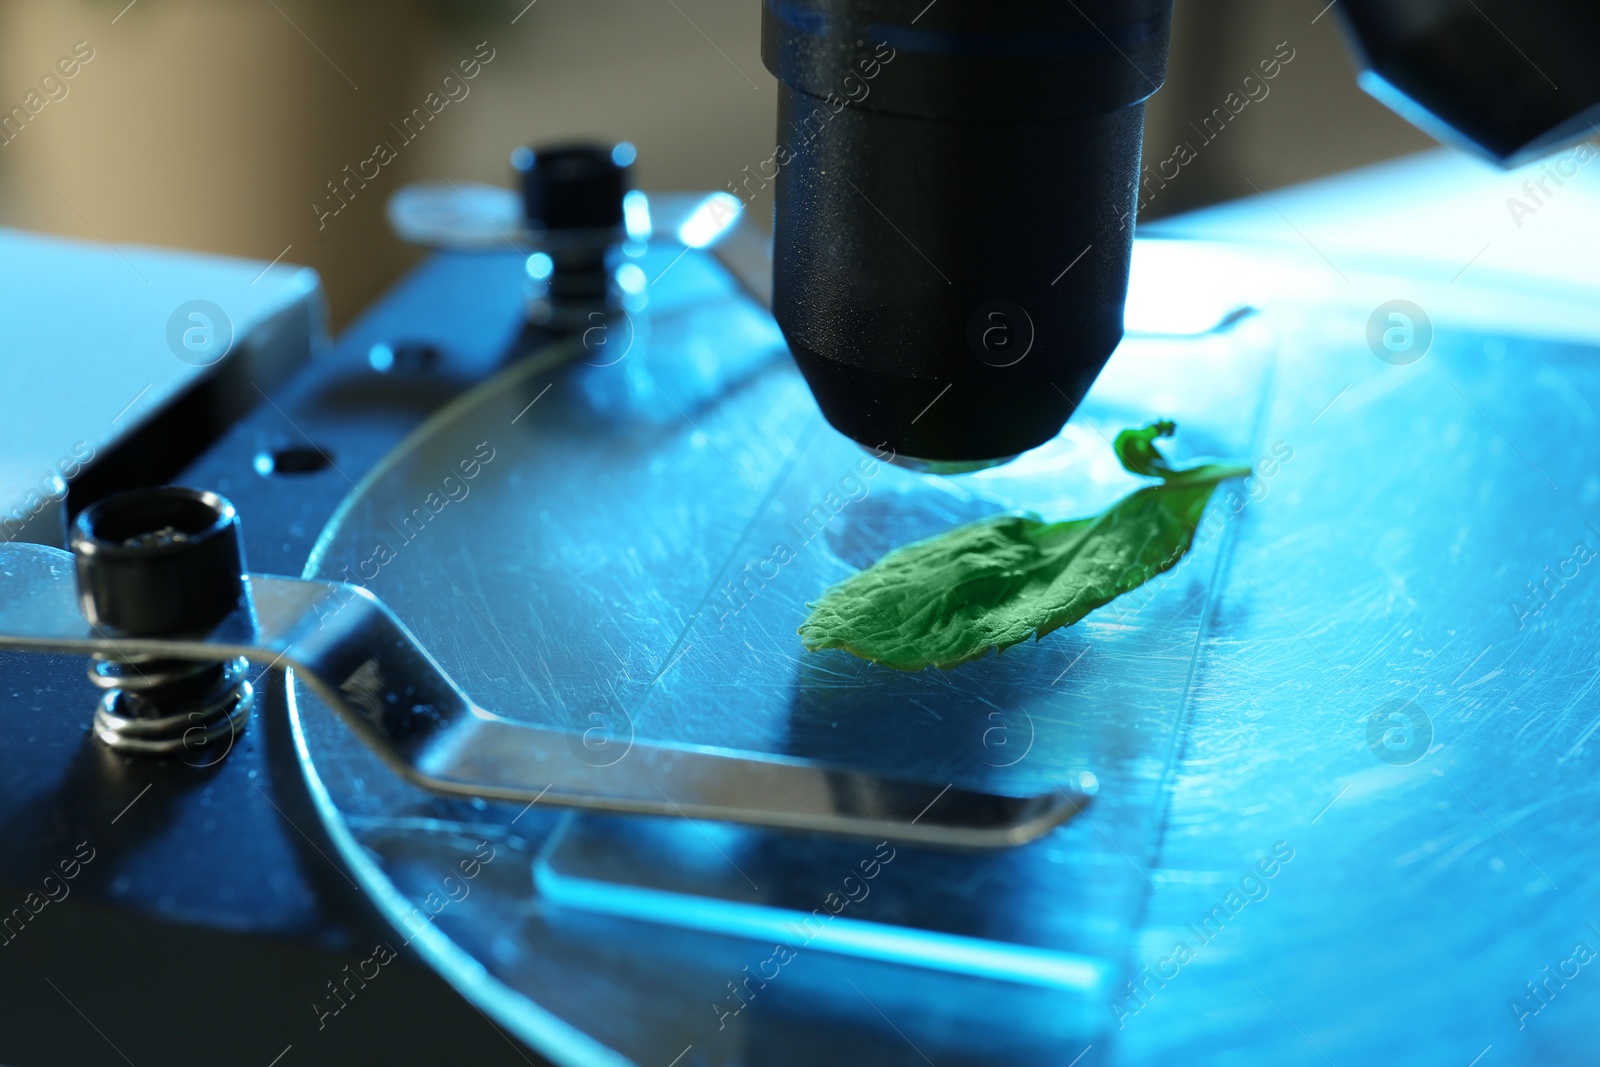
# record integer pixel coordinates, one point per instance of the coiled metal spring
(165, 706)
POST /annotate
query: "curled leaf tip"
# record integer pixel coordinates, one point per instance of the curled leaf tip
(1136, 449)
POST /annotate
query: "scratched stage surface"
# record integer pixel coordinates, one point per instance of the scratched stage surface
(633, 561)
(1445, 858)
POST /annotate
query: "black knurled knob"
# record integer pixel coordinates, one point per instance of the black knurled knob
(159, 562)
(574, 186)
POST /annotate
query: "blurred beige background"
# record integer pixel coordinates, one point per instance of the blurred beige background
(215, 124)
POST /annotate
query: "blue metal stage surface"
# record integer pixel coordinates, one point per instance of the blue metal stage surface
(1345, 752)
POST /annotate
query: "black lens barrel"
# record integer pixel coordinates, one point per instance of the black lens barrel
(955, 191)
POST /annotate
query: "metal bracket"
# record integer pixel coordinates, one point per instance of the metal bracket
(366, 666)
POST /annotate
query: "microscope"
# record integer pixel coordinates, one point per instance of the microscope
(512, 693)
(936, 304)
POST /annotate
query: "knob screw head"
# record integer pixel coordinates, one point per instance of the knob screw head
(576, 186)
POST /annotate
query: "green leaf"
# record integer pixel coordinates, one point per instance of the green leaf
(992, 584)
(1137, 452)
